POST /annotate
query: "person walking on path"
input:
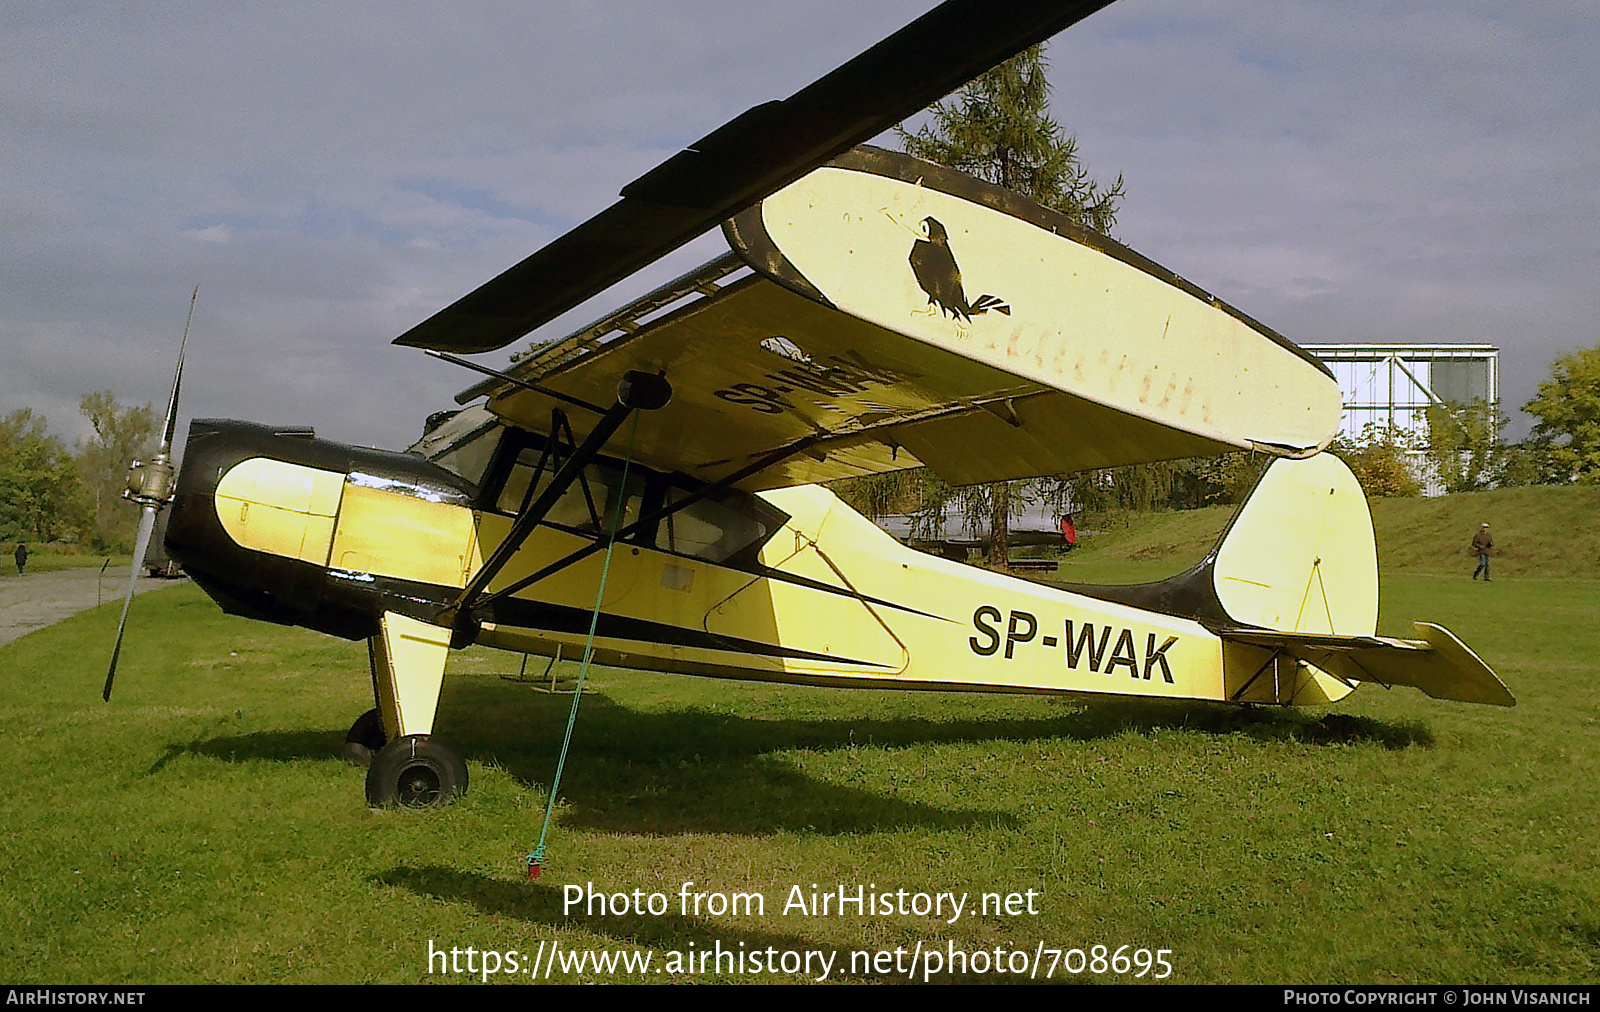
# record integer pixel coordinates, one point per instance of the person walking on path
(22, 557)
(1482, 545)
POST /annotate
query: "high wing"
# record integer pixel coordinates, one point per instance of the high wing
(744, 160)
(1042, 347)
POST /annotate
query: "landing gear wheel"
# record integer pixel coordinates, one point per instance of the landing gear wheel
(415, 772)
(366, 737)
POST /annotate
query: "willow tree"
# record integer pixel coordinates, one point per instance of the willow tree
(998, 129)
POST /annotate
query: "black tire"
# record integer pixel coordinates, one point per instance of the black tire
(415, 772)
(366, 737)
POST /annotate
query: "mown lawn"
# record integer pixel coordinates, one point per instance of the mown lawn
(1541, 531)
(202, 827)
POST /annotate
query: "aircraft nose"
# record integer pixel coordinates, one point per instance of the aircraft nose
(250, 522)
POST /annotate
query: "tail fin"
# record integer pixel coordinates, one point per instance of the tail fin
(1300, 562)
(1292, 591)
(1299, 556)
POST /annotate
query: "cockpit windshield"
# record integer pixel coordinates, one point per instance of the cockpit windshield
(463, 444)
(724, 527)
(471, 455)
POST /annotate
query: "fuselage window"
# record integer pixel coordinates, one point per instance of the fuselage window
(727, 527)
(714, 529)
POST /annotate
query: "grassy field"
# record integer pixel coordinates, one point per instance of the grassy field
(202, 827)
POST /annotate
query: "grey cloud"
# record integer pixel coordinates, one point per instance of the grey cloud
(1343, 171)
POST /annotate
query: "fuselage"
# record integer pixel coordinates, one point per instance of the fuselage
(787, 585)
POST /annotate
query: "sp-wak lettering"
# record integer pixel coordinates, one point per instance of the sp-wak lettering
(1105, 648)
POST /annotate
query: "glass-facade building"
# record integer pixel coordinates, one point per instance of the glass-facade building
(1391, 385)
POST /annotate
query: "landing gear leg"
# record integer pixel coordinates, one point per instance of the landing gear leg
(412, 769)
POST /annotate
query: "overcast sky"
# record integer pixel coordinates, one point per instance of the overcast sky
(332, 174)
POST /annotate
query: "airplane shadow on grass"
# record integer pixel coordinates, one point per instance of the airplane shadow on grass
(699, 770)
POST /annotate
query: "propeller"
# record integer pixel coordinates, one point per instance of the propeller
(746, 160)
(150, 486)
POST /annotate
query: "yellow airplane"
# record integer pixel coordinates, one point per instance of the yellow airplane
(873, 312)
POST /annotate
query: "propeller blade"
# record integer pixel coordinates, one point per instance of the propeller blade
(177, 381)
(152, 490)
(147, 523)
(747, 159)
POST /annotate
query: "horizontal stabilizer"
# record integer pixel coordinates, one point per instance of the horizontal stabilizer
(1438, 664)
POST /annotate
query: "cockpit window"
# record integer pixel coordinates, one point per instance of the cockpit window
(586, 506)
(727, 527)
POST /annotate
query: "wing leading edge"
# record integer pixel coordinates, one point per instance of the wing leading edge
(753, 155)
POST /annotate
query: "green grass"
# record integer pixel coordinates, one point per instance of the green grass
(1538, 532)
(202, 827)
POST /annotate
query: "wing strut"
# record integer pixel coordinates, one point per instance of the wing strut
(514, 381)
(637, 391)
(759, 464)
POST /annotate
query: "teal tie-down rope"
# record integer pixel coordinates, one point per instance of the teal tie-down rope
(536, 859)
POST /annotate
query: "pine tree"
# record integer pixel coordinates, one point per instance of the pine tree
(998, 129)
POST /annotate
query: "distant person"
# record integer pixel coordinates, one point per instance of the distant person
(22, 557)
(1069, 532)
(1482, 545)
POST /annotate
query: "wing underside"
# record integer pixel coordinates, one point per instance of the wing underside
(878, 401)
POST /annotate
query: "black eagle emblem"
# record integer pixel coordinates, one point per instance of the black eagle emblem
(936, 271)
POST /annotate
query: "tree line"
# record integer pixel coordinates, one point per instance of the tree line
(50, 491)
(1462, 449)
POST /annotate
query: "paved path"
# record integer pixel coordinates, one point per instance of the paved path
(36, 600)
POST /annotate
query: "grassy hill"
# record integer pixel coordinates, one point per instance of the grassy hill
(1544, 531)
